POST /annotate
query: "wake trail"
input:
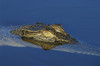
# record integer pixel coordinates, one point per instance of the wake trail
(8, 39)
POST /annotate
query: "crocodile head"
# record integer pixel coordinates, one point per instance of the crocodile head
(48, 33)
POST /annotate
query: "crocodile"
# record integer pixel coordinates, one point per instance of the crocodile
(45, 33)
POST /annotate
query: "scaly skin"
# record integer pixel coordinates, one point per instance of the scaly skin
(45, 33)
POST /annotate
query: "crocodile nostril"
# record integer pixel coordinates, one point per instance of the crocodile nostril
(73, 41)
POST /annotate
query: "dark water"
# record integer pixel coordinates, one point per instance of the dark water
(79, 18)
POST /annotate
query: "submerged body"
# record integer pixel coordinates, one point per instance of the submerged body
(45, 33)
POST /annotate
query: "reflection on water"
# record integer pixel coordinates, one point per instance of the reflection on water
(6, 38)
(44, 45)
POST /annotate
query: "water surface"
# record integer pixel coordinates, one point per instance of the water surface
(79, 18)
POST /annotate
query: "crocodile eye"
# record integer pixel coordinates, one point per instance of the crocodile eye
(58, 27)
